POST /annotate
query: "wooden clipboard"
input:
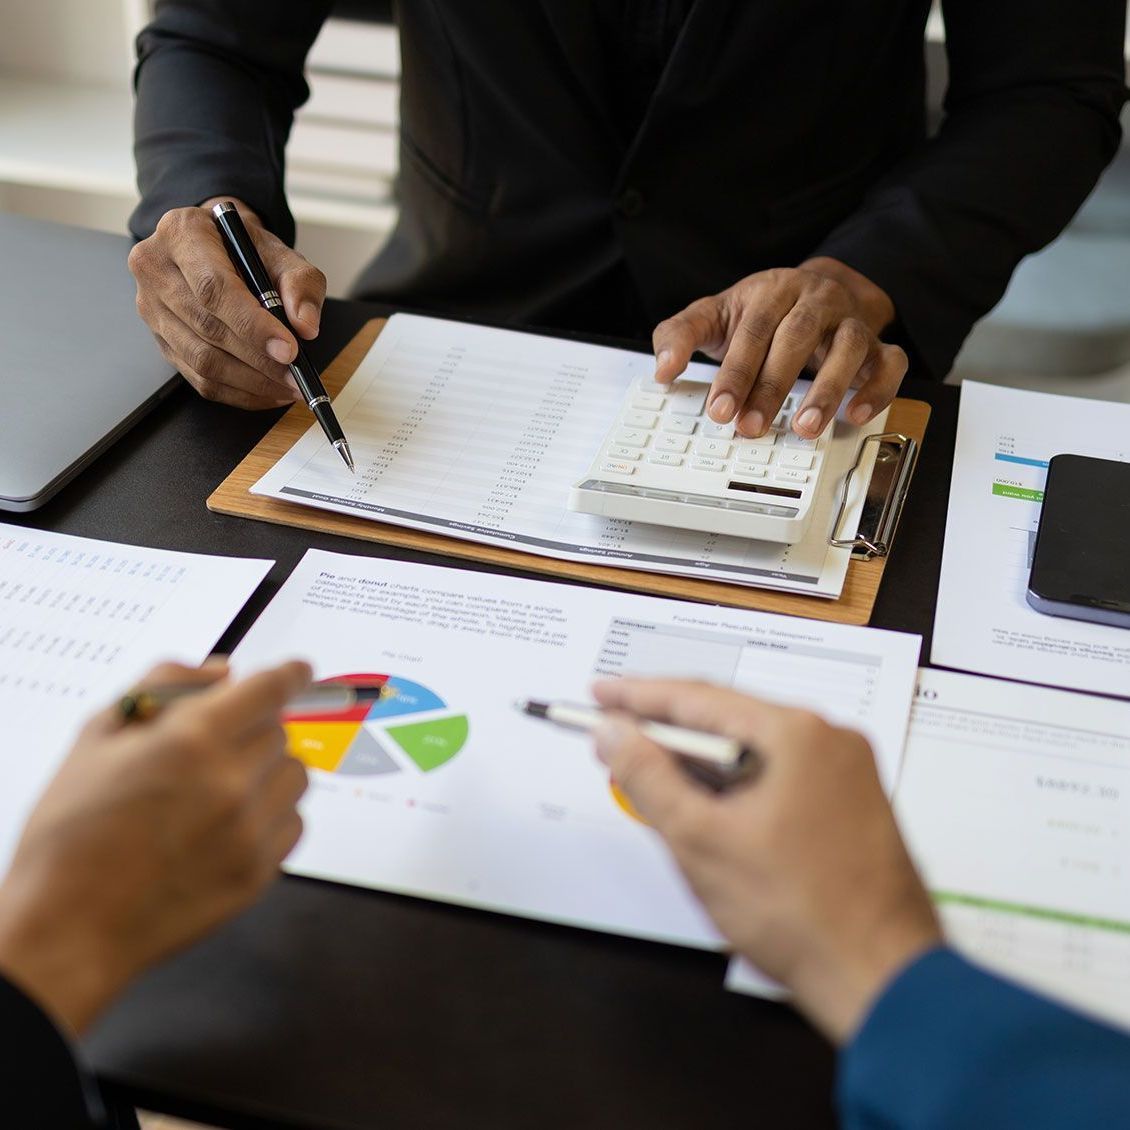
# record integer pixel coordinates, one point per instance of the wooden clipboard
(234, 497)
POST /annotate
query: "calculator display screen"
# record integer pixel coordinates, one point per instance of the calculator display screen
(1082, 550)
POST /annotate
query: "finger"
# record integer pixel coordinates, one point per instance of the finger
(283, 785)
(282, 838)
(243, 708)
(700, 706)
(301, 286)
(110, 720)
(701, 326)
(217, 375)
(650, 779)
(239, 332)
(852, 343)
(761, 312)
(795, 339)
(218, 290)
(187, 240)
(885, 374)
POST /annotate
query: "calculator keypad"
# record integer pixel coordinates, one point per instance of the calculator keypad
(665, 461)
(666, 425)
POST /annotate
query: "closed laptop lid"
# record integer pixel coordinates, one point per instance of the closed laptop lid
(77, 364)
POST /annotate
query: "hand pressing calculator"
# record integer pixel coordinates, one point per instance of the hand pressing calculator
(664, 461)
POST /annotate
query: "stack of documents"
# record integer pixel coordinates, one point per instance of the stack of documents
(479, 434)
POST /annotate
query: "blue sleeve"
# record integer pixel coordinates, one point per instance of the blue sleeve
(948, 1046)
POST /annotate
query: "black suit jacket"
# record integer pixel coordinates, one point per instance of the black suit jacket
(42, 1085)
(780, 129)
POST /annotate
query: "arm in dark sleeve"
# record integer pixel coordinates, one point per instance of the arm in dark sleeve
(41, 1083)
(1031, 121)
(949, 1046)
(217, 85)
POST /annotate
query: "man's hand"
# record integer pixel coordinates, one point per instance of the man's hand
(803, 868)
(208, 324)
(769, 327)
(151, 834)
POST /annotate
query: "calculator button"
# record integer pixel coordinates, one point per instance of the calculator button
(648, 401)
(702, 464)
(681, 425)
(718, 431)
(616, 467)
(650, 384)
(755, 455)
(628, 437)
(793, 440)
(633, 419)
(801, 459)
(672, 443)
(781, 421)
(618, 452)
(718, 448)
(687, 399)
(665, 459)
(742, 473)
(788, 475)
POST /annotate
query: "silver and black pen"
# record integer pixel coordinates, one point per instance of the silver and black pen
(250, 266)
(716, 761)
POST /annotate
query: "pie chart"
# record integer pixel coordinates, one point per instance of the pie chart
(380, 736)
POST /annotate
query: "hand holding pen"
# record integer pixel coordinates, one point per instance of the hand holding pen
(246, 258)
(205, 320)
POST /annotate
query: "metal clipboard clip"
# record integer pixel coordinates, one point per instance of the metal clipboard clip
(886, 494)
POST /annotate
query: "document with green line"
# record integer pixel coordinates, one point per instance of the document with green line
(1015, 804)
(1005, 438)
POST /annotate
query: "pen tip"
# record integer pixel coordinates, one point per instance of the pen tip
(347, 455)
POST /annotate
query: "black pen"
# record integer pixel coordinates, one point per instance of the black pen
(250, 266)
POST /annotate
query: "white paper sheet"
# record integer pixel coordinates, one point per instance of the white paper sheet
(449, 793)
(1015, 804)
(1005, 438)
(479, 433)
(80, 620)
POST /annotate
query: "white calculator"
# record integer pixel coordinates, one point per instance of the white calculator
(665, 461)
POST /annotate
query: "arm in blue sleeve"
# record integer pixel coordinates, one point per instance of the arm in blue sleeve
(1031, 121)
(217, 85)
(948, 1046)
(41, 1082)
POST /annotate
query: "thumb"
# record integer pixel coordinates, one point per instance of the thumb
(649, 777)
(701, 325)
(302, 288)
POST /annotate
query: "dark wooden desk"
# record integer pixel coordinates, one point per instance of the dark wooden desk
(327, 1006)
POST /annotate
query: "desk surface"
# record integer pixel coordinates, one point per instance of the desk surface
(328, 1006)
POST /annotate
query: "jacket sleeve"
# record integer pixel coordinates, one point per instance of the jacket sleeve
(1031, 120)
(949, 1046)
(41, 1082)
(217, 85)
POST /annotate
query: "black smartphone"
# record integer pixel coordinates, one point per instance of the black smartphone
(1081, 560)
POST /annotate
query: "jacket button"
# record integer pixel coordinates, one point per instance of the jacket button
(630, 203)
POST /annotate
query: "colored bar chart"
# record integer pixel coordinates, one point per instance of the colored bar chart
(372, 739)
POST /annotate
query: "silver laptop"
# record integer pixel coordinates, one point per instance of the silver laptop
(77, 365)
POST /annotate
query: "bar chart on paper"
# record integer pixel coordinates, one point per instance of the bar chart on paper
(407, 727)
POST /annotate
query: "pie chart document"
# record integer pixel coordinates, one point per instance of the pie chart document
(433, 785)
